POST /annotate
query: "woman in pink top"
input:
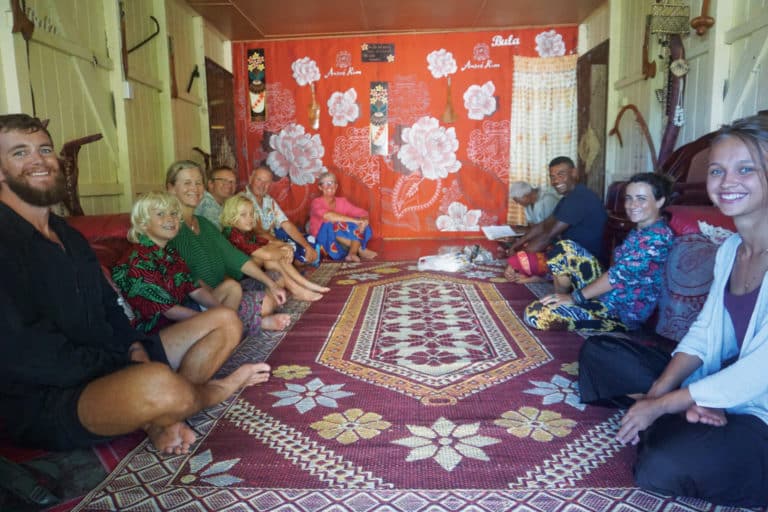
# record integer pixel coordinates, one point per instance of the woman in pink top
(340, 227)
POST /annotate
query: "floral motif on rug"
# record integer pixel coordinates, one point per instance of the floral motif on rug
(349, 420)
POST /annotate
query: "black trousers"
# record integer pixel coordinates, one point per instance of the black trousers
(724, 465)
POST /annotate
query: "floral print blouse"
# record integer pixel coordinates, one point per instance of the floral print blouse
(153, 280)
(637, 273)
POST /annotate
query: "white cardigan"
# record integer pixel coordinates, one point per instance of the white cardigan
(741, 388)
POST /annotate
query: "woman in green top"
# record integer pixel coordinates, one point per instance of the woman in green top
(211, 258)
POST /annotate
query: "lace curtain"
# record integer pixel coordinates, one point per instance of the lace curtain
(543, 121)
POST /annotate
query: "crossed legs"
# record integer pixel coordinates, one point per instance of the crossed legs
(153, 397)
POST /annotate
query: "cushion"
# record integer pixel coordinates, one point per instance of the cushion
(688, 275)
(685, 218)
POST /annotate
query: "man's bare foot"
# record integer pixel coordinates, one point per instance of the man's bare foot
(276, 322)
(368, 254)
(248, 375)
(173, 440)
(318, 288)
(706, 415)
(352, 257)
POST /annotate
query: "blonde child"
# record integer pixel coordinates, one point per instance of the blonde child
(154, 278)
(238, 222)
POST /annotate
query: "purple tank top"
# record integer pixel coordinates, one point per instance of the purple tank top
(740, 308)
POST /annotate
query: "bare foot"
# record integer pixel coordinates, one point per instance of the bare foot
(706, 415)
(352, 258)
(276, 322)
(318, 288)
(306, 295)
(174, 439)
(368, 254)
(250, 374)
(511, 274)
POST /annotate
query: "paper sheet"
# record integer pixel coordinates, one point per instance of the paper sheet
(496, 232)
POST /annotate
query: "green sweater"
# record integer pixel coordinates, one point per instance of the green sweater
(209, 255)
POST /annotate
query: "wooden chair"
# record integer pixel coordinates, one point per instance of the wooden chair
(68, 161)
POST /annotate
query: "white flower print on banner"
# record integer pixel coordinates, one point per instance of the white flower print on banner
(550, 44)
(479, 100)
(429, 148)
(446, 443)
(305, 71)
(459, 218)
(343, 107)
(296, 155)
(441, 63)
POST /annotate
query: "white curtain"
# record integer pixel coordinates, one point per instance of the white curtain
(543, 120)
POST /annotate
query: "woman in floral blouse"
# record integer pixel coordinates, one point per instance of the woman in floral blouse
(156, 281)
(622, 298)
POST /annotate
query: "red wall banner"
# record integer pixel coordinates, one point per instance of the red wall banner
(415, 127)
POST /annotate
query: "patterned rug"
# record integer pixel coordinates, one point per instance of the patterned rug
(400, 390)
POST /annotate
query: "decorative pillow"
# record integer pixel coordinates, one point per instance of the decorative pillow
(688, 275)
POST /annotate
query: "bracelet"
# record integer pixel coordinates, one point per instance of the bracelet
(578, 297)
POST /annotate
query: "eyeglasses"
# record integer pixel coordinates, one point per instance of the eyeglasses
(225, 181)
(329, 184)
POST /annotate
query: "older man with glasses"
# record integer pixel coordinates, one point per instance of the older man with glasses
(221, 185)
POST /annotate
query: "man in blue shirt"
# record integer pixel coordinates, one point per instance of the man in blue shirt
(579, 216)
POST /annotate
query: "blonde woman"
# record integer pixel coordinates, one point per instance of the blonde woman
(238, 222)
(212, 259)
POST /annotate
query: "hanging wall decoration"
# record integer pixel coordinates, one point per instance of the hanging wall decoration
(442, 64)
(257, 84)
(379, 127)
(306, 72)
(377, 52)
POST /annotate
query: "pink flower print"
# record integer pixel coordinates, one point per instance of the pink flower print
(343, 108)
(343, 59)
(429, 148)
(550, 44)
(441, 63)
(305, 71)
(296, 155)
(479, 100)
(481, 52)
(459, 218)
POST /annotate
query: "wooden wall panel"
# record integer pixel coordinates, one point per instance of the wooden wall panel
(146, 145)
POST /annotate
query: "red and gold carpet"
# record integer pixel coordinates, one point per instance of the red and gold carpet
(400, 390)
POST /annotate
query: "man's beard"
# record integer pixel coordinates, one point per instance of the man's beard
(35, 196)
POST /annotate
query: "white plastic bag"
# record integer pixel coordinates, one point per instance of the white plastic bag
(450, 262)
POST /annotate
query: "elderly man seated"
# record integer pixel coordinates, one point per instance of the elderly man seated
(73, 372)
(274, 223)
(221, 184)
(538, 203)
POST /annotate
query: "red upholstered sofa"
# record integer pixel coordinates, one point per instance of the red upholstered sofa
(106, 234)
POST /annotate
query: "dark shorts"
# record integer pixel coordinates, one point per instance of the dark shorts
(57, 425)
